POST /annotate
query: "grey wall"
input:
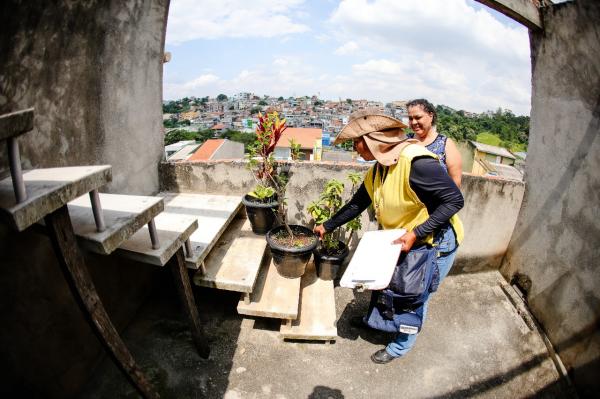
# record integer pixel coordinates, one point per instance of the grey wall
(489, 215)
(557, 240)
(93, 72)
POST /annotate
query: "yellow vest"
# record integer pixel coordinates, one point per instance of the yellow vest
(396, 204)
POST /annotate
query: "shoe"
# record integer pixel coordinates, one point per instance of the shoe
(382, 357)
(358, 322)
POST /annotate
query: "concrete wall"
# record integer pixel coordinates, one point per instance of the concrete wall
(93, 72)
(556, 243)
(489, 215)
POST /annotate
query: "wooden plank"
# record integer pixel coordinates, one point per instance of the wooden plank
(214, 213)
(522, 11)
(273, 296)
(234, 262)
(82, 287)
(123, 216)
(16, 123)
(184, 289)
(172, 230)
(316, 320)
(47, 190)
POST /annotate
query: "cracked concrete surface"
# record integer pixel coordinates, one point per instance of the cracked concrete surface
(474, 344)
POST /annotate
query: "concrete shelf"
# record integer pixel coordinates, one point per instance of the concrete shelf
(172, 229)
(48, 190)
(234, 262)
(123, 215)
(213, 212)
(273, 296)
(316, 320)
(16, 123)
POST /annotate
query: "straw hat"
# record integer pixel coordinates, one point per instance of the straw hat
(383, 135)
(369, 121)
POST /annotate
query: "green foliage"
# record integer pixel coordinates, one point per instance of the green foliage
(255, 110)
(176, 107)
(175, 136)
(501, 127)
(262, 102)
(349, 100)
(330, 201)
(295, 150)
(221, 97)
(261, 192)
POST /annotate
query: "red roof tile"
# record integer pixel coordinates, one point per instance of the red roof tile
(206, 150)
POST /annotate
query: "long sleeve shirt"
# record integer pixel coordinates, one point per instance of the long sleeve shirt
(432, 185)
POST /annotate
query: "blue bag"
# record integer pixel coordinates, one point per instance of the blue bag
(415, 276)
(384, 316)
(399, 308)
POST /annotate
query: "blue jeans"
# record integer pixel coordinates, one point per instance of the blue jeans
(447, 248)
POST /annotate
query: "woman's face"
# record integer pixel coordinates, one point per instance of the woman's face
(363, 150)
(419, 120)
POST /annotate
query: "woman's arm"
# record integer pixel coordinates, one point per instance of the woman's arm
(453, 161)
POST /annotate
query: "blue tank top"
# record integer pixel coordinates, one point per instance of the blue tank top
(438, 147)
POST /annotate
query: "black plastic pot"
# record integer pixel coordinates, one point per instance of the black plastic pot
(328, 266)
(261, 214)
(291, 261)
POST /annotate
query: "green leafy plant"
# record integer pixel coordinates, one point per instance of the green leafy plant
(262, 164)
(330, 201)
(295, 150)
(262, 193)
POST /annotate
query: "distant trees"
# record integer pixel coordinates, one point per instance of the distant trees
(221, 97)
(263, 102)
(512, 130)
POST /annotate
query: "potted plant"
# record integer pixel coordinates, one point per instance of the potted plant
(331, 253)
(261, 203)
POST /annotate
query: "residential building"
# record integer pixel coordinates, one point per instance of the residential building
(214, 149)
(490, 160)
(308, 138)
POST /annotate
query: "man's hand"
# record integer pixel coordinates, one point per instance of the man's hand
(320, 231)
(407, 241)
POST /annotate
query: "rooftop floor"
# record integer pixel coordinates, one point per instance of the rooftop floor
(474, 344)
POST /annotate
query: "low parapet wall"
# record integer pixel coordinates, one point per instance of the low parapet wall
(489, 215)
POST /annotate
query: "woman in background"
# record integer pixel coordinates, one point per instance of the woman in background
(422, 119)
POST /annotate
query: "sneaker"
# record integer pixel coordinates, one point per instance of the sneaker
(382, 357)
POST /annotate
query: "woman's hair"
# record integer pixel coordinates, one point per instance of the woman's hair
(427, 106)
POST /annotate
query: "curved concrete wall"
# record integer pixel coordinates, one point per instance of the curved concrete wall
(93, 72)
(489, 215)
(557, 241)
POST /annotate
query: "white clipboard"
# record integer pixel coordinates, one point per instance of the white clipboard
(374, 260)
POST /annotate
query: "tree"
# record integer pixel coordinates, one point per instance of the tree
(263, 102)
(175, 136)
(280, 98)
(349, 100)
(221, 97)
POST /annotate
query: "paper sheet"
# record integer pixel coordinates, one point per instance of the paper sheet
(374, 260)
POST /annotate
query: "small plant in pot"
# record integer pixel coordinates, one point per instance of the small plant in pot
(261, 203)
(291, 245)
(333, 249)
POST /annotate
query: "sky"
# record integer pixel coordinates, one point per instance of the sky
(452, 52)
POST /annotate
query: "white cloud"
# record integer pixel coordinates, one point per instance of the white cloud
(444, 50)
(347, 48)
(206, 19)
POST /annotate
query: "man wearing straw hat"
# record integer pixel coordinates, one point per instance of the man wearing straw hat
(408, 189)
